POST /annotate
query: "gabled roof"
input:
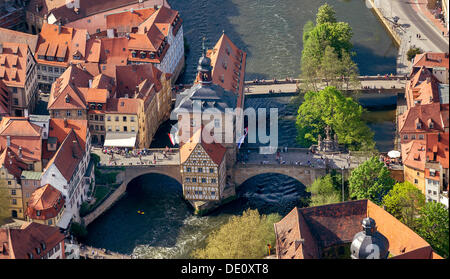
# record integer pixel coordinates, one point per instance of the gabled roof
(416, 157)
(123, 106)
(229, 63)
(13, 63)
(130, 76)
(437, 146)
(432, 60)
(10, 161)
(435, 112)
(215, 151)
(60, 129)
(65, 94)
(21, 243)
(24, 137)
(68, 156)
(305, 231)
(12, 36)
(422, 88)
(125, 21)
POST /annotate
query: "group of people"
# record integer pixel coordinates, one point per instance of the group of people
(135, 153)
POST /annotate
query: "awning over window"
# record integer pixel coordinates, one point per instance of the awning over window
(120, 139)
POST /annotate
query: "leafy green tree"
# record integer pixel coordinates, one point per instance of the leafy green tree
(370, 180)
(433, 225)
(349, 71)
(243, 237)
(326, 13)
(330, 67)
(78, 230)
(329, 107)
(404, 202)
(326, 190)
(412, 52)
(318, 59)
(309, 25)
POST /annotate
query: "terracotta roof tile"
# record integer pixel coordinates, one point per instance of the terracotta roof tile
(47, 200)
(13, 63)
(24, 241)
(431, 60)
(305, 231)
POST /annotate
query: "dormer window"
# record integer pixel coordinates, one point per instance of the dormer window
(43, 246)
(418, 125)
(67, 99)
(152, 55)
(133, 53)
(38, 213)
(143, 55)
(430, 124)
(38, 250)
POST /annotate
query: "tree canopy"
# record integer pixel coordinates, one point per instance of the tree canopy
(329, 107)
(433, 225)
(326, 190)
(404, 202)
(334, 36)
(242, 237)
(370, 180)
(326, 13)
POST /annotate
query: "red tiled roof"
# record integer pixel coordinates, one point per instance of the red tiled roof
(422, 88)
(60, 129)
(23, 135)
(5, 100)
(47, 200)
(123, 106)
(68, 156)
(20, 243)
(125, 21)
(305, 231)
(215, 151)
(416, 157)
(9, 161)
(423, 113)
(130, 76)
(437, 146)
(431, 60)
(13, 64)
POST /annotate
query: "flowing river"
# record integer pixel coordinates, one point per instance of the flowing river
(270, 32)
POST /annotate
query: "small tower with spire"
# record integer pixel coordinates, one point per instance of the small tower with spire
(204, 68)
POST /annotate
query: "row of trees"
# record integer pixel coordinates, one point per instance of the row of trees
(327, 63)
(326, 55)
(371, 180)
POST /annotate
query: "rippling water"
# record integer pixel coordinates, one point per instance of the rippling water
(168, 229)
(270, 31)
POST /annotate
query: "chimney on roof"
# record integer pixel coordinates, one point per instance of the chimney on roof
(127, 35)
(131, 10)
(439, 137)
(90, 83)
(74, 154)
(59, 27)
(8, 141)
(20, 152)
(25, 112)
(1, 48)
(65, 122)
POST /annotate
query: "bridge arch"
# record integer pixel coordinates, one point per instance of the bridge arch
(305, 175)
(134, 172)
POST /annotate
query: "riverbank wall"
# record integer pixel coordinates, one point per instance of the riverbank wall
(387, 25)
(105, 205)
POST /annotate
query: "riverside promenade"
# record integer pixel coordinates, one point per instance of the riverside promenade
(413, 28)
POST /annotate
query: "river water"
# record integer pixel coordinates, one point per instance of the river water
(270, 32)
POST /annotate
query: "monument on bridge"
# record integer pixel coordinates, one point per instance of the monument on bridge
(328, 144)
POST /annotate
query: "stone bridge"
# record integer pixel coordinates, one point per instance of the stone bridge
(304, 174)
